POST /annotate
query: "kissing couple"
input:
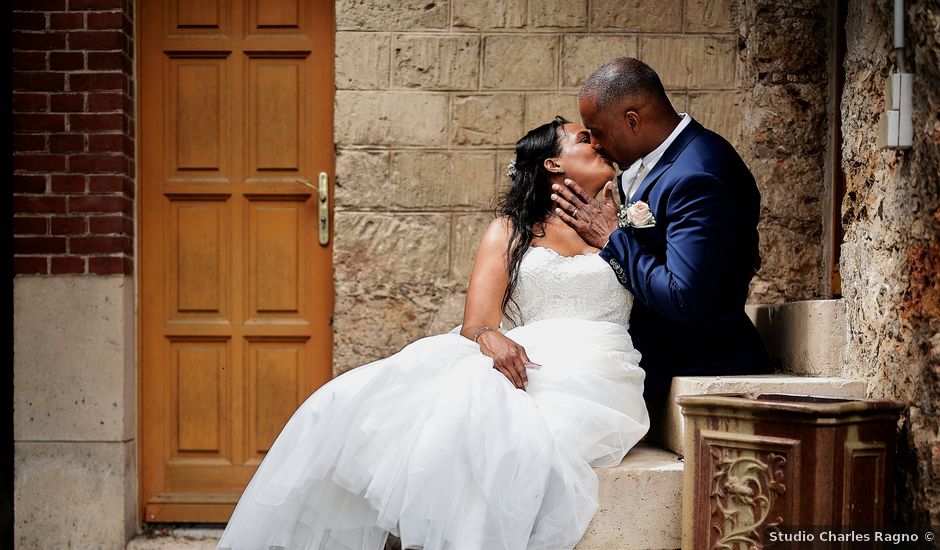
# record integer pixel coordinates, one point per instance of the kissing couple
(577, 309)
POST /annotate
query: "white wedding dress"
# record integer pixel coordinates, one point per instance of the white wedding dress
(437, 447)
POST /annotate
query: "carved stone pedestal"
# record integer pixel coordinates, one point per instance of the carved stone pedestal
(757, 465)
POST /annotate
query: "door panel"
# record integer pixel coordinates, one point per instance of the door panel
(236, 103)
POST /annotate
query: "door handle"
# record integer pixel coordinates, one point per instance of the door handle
(323, 196)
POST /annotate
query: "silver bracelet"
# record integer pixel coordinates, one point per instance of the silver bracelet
(481, 330)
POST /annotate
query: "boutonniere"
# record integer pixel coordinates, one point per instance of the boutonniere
(636, 214)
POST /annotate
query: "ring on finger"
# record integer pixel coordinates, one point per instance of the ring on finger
(575, 213)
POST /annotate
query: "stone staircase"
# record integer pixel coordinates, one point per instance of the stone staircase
(640, 500)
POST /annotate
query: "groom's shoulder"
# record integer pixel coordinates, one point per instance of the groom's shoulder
(707, 138)
(709, 151)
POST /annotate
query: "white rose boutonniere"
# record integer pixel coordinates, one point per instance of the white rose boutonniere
(637, 215)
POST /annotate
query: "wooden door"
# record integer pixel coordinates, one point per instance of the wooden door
(236, 290)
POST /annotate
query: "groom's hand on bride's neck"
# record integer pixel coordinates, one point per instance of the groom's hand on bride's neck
(593, 220)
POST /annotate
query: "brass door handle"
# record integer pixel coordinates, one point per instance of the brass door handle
(323, 192)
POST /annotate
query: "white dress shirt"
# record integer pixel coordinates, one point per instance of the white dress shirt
(634, 175)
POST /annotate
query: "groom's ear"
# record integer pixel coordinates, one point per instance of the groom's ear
(551, 164)
(632, 120)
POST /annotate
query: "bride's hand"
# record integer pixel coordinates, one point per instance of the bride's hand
(508, 357)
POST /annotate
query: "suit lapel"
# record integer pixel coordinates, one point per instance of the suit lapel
(669, 157)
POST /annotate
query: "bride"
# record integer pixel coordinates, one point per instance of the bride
(482, 439)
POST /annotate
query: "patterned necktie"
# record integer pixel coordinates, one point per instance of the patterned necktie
(640, 174)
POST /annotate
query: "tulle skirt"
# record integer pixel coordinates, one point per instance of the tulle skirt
(435, 446)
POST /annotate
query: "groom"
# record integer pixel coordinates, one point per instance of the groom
(689, 271)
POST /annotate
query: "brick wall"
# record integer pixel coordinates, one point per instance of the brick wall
(73, 136)
(431, 97)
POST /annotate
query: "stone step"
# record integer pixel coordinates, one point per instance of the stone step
(805, 338)
(639, 508)
(180, 538)
(672, 428)
(640, 503)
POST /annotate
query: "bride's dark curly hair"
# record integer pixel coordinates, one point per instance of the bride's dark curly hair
(527, 201)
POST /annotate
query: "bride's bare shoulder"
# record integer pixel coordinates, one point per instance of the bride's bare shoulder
(497, 234)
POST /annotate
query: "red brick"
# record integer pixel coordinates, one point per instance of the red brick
(66, 102)
(66, 143)
(29, 21)
(39, 163)
(26, 102)
(84, 5)
(111, 143)
(30, 225)
(97, 164)
(97, 245)
(98, 61)
(68, 226)
(105, 102)
(96, 40)
(38, 81)
(43, 40)
(38, 245)
(96, 122)
(39, 5)
(107, 265)
(128, 27)
(96, 81)
(29, 142)
(110, 20)
(23, 122)
(26, 204)
(29, 61)
(29, 184)
(105, 184)
(68, 183)
(62, 265)
(96, 203)
(109, 224)
(67, 21)
(30, 265)
(66, 61)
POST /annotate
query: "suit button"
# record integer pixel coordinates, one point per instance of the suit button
(618, 270)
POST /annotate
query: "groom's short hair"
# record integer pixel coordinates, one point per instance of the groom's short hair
(623, 77)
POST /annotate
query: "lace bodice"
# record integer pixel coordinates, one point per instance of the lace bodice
(553, 286)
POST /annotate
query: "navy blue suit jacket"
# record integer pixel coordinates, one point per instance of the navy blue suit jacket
(690, 272)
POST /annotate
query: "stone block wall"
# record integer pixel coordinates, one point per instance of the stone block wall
(891, 256)
(431, 98)
(784, 78)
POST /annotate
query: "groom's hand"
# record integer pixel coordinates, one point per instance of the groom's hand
(594, 221)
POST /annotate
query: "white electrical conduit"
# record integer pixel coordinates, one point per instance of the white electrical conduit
(899, 33)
